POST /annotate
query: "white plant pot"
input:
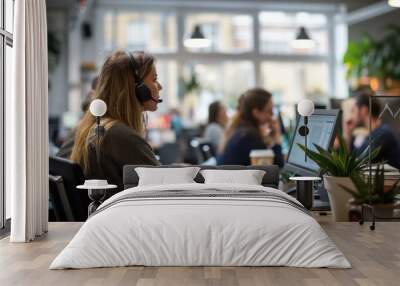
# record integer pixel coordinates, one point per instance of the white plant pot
(338, 197)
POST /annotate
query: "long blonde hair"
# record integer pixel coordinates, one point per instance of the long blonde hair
(116, 87)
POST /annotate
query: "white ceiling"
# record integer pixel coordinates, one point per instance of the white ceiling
(351, 4)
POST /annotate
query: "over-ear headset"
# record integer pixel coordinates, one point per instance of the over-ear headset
(143, 93)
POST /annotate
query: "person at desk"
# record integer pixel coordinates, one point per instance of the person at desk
(217, 120)
(120, 87)
(381, 135)
(254, 127)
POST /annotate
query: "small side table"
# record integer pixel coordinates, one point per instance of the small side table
(304, 190)
(96, 194)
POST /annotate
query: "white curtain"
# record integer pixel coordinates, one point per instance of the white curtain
(27, 123)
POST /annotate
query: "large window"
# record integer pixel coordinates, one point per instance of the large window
(291, 82)
(153, 32)
(248, 48)
(6, 43)
(278, 30)
(229, 33)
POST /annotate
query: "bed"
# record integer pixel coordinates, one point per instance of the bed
(201, 224)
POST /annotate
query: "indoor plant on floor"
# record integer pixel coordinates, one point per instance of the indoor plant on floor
(340, 168)
(381, 196)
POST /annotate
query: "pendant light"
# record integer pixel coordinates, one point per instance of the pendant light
(303, 40)
(197, 39)
(394, 3)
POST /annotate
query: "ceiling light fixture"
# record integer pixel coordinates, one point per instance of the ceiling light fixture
(394, 3)
(197, 39)
(303, 40)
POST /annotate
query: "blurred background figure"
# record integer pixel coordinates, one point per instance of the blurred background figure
(381, 134)
(217, 121)
(176, 122)
(254, 127)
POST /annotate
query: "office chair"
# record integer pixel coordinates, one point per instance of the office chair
(188, 134)
(170, 153)
(203, 149)
(65, 175)
(59, 206)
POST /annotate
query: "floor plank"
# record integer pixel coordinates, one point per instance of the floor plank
(374, 255)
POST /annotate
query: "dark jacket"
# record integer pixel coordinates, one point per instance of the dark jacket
(390, 146)
(243, 140)
(119, 146)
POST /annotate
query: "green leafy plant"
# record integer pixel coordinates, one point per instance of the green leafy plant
(377, 194)
(340, 162)
(192, 83)
(285, 175)
(375, 58)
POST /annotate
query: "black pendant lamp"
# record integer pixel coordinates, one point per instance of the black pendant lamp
(303, 40)
(197, 39)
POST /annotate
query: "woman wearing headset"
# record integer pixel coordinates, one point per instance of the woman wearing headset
(128, 85)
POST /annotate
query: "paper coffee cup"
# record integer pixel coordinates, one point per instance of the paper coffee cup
(262, 157)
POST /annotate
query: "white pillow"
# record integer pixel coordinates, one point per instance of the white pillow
(164, 176)
(249, 177)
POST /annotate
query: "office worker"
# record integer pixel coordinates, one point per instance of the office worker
(248, 130)
(128, 85)
(381, 134)
(217, 121)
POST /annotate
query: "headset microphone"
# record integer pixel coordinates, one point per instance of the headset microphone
(157, 100)
(143, 93)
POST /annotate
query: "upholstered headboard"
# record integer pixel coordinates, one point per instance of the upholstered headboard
(270, 179)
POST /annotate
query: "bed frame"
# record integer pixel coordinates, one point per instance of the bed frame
(270, 179)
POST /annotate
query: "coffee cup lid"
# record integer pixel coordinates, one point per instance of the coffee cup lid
(96, 184)
(262, 153)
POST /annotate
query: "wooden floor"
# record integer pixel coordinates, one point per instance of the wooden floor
(374, 255)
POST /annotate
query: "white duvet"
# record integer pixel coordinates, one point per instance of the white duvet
(200, 231)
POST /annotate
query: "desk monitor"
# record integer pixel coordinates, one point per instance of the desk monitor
(322, 131)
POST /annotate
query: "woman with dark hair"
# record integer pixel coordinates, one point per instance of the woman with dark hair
(217, 120)
(120, 86)
(247, 131)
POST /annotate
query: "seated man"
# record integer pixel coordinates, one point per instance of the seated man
(381, 135)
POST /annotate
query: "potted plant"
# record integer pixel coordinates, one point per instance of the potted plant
(380, 196)
(377, 60)
(340, 168)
